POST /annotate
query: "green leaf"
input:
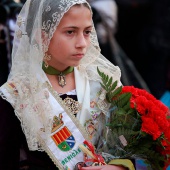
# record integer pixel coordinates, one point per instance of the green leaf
(117, 91)
(131, 111)
(113, 86)
(109, 82)
(121, 111)
(99, 72)
(107, 78)
(103, 86)
(123, 99)
(127, 107)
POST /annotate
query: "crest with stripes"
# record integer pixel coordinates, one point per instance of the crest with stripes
(64, 139)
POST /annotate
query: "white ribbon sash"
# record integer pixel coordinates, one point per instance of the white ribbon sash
(67, 134)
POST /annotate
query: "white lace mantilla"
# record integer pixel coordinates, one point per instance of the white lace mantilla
(24, 89)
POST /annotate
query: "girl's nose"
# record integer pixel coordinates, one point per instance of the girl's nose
(81, 41)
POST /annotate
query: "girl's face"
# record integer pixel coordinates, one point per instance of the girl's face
(71, 38)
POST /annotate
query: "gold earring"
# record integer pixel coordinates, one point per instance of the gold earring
(47, 57)
(46, 64)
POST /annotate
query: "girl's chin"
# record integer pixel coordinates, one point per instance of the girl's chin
(75, 64)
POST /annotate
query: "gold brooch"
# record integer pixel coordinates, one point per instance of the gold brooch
(73, 105)
(19, 34)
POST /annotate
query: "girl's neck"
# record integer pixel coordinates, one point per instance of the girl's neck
(58, 67)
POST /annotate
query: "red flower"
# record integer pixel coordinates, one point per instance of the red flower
(150, 127)
(154, 117)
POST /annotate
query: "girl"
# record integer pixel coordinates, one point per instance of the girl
(54, 86)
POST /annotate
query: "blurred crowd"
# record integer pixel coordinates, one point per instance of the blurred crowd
(8, 13)
(133, 34)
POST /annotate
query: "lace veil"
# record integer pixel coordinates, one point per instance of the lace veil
(35, 26)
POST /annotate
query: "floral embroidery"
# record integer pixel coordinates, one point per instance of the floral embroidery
(19, 34)
(48, 9)
(95, 114)
(13, 88)
(61, 7)
(55, 16)
(19, 21)
(90, 127)
(92, 104)
(46, 25)
(23, 106)
(64, 2)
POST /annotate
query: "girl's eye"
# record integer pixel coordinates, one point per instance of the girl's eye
(88, 32)
(70, 32)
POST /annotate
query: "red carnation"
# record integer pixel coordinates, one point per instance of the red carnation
(150, 127)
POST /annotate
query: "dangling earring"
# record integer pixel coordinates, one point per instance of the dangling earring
(46, 64)
(47, 57)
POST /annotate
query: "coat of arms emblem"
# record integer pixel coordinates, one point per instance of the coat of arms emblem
(62, 138)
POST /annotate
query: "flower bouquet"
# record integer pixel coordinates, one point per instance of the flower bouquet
(138, 126)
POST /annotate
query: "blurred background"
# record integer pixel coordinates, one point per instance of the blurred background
(141, 47)
(143, 33)
(8, 13)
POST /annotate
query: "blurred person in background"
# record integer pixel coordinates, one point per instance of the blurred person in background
(105, 17)
(105, 21)
(143, 33)
(3, 45)
(8, 12)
